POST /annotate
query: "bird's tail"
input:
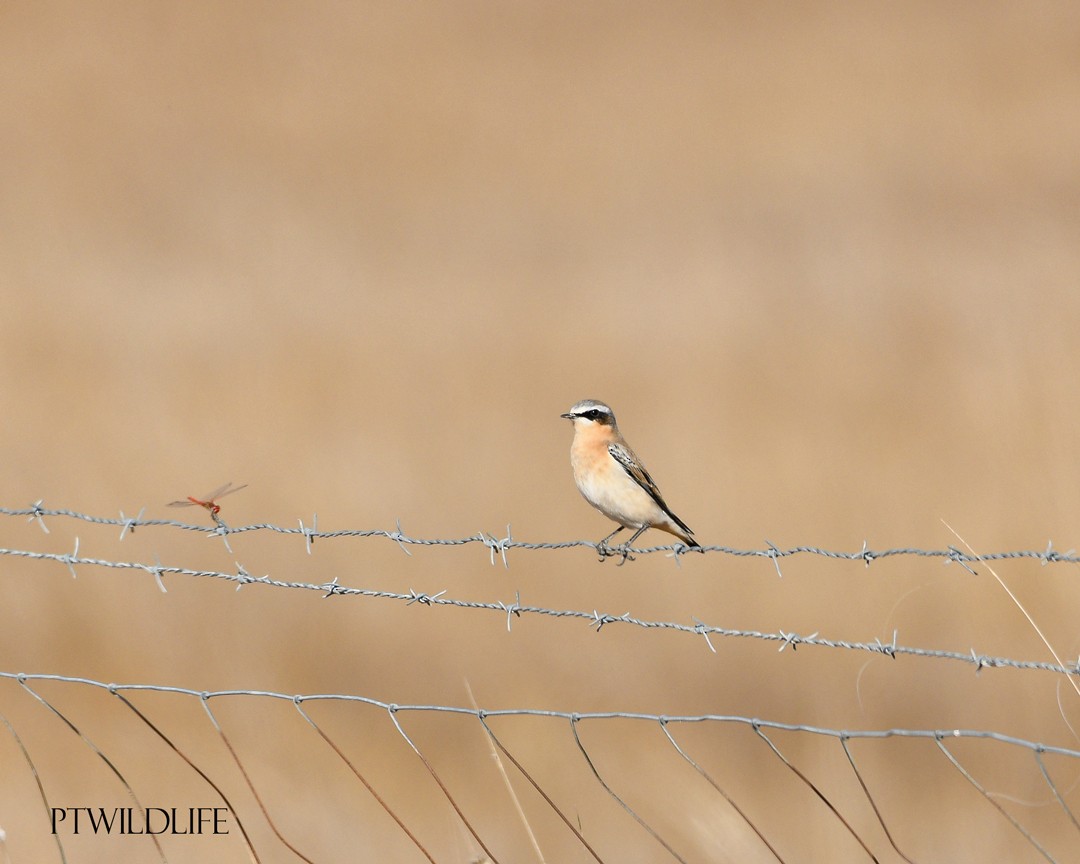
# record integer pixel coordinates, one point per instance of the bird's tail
(679, 529)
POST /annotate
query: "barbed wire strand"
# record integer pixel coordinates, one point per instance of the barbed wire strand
(1016, 601)
(716, 786)
(870, 798)
(951, 554)
(382, 803)
(99, 753)
(500, 546)
(596, 619)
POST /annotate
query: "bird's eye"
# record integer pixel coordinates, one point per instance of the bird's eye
(593, 414)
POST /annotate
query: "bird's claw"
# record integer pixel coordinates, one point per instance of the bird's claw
(622, 551)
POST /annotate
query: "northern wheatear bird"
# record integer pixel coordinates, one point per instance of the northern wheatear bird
(613, 479)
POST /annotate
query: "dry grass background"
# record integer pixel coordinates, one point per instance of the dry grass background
(822, 259)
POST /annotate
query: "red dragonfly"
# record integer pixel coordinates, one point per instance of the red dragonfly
(210, 500)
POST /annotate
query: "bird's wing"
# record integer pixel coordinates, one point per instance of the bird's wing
(636, 471)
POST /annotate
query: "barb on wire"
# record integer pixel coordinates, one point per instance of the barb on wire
(496, 545)
(702, 628)
(511, 610)
(309, 533)
(221, 530)
(775, 553)
(156, 572)
(397, 536)
(129, 524)
(36, 511)
(70, 560)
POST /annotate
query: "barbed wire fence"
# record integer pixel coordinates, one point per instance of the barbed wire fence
(885, 845)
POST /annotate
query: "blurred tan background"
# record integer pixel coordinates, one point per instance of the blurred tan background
(823, 260)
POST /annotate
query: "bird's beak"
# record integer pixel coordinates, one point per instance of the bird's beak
(567, 416)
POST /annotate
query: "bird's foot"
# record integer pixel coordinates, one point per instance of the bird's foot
(621, 552)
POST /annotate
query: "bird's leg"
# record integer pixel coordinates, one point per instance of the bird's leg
(602, 546)
(626, 556)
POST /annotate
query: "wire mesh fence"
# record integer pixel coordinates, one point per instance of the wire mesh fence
(1034, 801)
